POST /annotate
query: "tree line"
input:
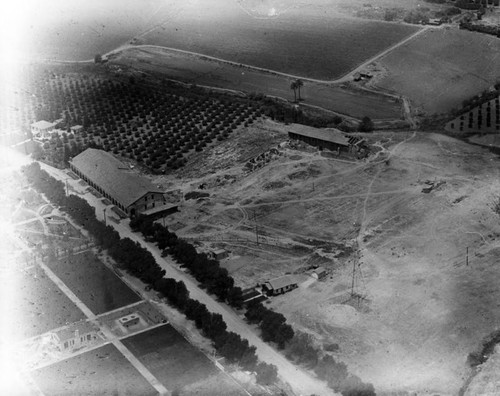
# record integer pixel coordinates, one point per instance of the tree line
(138, 261)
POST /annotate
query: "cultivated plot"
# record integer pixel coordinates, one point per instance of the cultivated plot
(38, 305)
(169, 357)
(440, 68)
(93, 283)
(103, 371)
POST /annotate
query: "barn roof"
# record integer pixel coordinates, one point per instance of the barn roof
(113, 176)
(282, 281)
(331, 135)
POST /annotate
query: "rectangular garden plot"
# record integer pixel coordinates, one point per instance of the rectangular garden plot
(38, 305)
(103, 371)
(170, 358)
(99, 288)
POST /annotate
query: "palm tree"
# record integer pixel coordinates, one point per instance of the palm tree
(298, 84)
(293, 86)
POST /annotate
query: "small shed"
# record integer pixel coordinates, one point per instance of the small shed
(218, 254)
(76, 128)
(319, 273)
(280, 285)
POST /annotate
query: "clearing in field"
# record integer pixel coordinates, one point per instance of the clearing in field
(95, 284)
(169, 357)
(103, 371)
(441, 68)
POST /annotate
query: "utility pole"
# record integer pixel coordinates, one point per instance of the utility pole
(256, 229)
(467, 256)
(353, 275)
(104, 212)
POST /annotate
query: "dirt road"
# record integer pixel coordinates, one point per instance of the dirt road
(302, 382)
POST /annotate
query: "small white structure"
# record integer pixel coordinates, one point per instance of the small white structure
(42, 129)
(129, 320)
(76, 128)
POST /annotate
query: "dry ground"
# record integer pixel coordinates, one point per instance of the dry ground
(425, 310)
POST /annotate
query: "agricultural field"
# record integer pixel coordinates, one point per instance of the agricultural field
(205, 72)
(40, 305)
(170, 358)
(301, 42)
(103, 371)
(422, 308)
(76, 31)
(441, 68)
(93, 283)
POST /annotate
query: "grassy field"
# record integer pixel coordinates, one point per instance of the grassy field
(103, 371)
(40, 305)
(441, 68)
(169, 357)
(65, 30)
(198, 71)
(93, 283)
(425, 309)
(302, 41)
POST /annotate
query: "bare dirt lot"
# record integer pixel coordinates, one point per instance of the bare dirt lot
(102, 371)
(424, 309)
(442, 67)
(96, 285)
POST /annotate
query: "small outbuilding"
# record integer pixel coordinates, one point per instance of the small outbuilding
(280, 285)
(319, 273)
(129, 320)
(218, 254)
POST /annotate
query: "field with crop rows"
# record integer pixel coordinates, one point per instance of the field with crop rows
(93, 283)
(441, 68)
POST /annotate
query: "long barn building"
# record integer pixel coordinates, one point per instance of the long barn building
(330, 139)
(127, 190)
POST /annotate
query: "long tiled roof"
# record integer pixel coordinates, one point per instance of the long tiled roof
(113, 176)
(329, 134)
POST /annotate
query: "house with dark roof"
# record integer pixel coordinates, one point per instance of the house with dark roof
(280, 285)
(130, 192)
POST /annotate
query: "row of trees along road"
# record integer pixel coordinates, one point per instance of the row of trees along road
(138, 261)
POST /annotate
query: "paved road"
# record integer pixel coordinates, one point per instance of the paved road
(301, 381)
